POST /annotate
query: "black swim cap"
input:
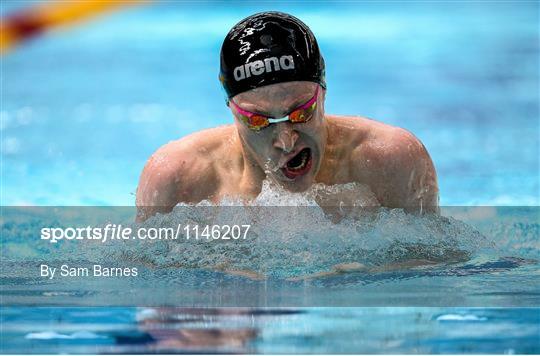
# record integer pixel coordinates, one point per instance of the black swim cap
(268, 48)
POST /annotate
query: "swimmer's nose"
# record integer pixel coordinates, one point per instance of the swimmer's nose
(286, 137)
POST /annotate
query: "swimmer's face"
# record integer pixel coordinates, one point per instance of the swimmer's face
(290, 153)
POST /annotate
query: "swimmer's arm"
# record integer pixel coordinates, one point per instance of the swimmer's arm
(175, 173)
(157, 190)
(400, 171)
(414, 180)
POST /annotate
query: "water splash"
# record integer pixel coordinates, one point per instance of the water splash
(293, 235)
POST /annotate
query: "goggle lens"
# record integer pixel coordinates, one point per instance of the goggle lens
(258, 121)
(255, 122)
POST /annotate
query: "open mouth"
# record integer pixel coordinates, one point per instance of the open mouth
(298, 165)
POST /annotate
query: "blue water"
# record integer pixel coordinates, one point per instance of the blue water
(315, 330)
(83, 109)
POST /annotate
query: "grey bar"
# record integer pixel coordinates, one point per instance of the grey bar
(289, 257)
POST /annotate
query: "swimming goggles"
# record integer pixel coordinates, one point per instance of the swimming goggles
(257, 122)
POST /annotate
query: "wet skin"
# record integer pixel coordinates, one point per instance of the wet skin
(233, 160)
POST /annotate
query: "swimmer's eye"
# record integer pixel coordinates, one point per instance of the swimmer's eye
(258, 121)
(303, 115)
(255, 122)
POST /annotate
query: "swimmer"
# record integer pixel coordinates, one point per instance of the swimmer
(274, 78)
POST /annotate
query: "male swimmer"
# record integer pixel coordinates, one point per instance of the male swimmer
(273, 75)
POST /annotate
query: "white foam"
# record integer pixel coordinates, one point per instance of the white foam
(460, 317)
(52, 335)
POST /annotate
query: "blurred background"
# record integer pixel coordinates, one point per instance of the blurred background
(83, 107)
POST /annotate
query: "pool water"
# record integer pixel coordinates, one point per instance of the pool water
(314, 330)
(83, 109)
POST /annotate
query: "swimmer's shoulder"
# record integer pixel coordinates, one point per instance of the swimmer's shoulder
(369, 138)
(357, 126)
(389, 144)
(182, 171)
(390, 157)
(354, 130)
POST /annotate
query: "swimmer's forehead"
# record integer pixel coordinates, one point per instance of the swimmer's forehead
(276, 98)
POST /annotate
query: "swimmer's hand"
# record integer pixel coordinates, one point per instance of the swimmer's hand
(335, 270)
(354, 267)
(250, 274)
(341, 268)
(227, 269)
